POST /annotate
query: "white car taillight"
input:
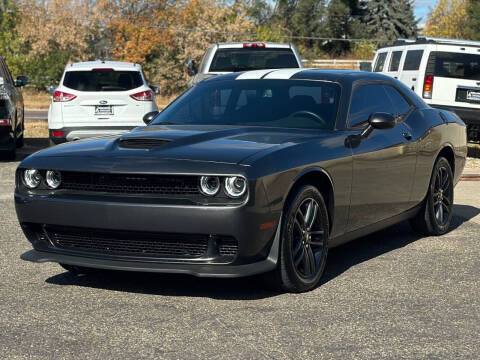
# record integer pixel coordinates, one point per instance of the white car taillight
(143, 96)
(60, 96)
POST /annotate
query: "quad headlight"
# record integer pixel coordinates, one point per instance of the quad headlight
(32, 178)
(235, 186)
(53, 178)
(209, 185)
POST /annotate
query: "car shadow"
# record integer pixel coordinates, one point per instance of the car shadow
(30, 146)
(340, 259)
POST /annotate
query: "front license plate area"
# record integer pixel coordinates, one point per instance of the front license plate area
(103, 110)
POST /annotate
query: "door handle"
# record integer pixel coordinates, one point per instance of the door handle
(407, 135)
(414, 79)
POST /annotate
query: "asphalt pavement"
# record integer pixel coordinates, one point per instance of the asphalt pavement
(390, 295)
(36, 115)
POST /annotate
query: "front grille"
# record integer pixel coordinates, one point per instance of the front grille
(128, 243)
(142, 143)
(228, 247)
(130, 184)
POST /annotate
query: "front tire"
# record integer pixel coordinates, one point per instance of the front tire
(436, 213)
(304, 241)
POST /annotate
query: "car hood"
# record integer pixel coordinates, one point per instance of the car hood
(226, 144)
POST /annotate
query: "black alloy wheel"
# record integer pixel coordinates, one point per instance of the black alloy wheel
(303, 242)
(308, 242)
(435, 216)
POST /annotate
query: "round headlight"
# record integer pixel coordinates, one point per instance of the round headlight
(235, 186)
(53, 178)
(209, 185)
(32, 178)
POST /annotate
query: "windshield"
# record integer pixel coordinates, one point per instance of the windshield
(273, 103)
(102, 80)
(244, 59)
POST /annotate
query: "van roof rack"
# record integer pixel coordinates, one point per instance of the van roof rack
(434, 40)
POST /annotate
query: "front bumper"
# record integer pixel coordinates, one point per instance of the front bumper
(256, 253)
(79, 133)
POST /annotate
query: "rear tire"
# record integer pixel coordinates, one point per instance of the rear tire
(303, 242)
(435, 215)
(78, 270)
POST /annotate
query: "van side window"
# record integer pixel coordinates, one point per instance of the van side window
(366, 100)
(401, 105)
(380, 62)
(413, 59)
(395, 60)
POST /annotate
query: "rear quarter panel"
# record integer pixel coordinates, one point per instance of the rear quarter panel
(434, 133)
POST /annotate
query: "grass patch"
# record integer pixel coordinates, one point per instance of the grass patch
(36, 129)
(35, 100)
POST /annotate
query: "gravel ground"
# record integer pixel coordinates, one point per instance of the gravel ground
(389, 295)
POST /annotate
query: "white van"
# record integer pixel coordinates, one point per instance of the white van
(99, 98)
(444, 72)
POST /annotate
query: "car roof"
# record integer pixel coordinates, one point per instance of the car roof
(303, 74)
(89, 65)
(230, 45)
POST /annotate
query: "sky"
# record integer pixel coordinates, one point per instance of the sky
(422, 8)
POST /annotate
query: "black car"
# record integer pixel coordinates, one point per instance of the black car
(247, 173)
(11, 111)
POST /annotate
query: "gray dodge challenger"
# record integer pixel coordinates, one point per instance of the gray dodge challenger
(246, 173)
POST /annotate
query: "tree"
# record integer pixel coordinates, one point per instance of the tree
(473, 23)
(448, 19)
(307, 20)
(10, 45)
(387, 21)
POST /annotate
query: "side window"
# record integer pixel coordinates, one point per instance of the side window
(413, 59)
(380, 62)
(395, 60)
(366, 100)
(7, 78)
(401, 105)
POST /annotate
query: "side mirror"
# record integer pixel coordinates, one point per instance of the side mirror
(148, 117)
(191, 68)
(21, 81)
(51, 89)
(381, 121)
(155, 89)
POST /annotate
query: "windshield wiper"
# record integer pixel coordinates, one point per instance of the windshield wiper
(166, 123)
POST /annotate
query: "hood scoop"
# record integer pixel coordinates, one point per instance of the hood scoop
(141, 143)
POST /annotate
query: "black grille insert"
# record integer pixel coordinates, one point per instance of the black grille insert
(128, 242)
(142, 143)
(228, 247)
(130, 183)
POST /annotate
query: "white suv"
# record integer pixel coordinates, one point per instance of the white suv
(444, 72)
(99, 98)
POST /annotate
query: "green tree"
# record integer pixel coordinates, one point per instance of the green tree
(307, 20)
(10, 45)
(389, 20)
(473, 23)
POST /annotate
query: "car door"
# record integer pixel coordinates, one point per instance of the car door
(410, 74)
(394, 64)
(384, 162)
(17, 100)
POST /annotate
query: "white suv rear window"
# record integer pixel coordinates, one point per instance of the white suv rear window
(102, 80)
(455, 65)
